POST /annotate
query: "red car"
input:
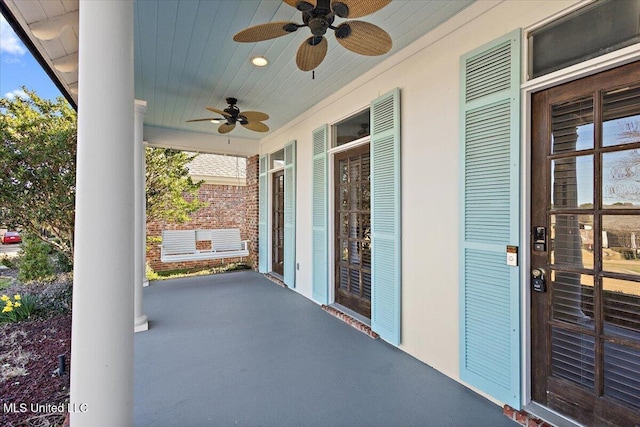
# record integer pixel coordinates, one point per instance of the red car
(11, 237)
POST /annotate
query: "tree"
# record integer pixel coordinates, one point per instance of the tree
(37, 167)
(171, 193)
(38, 172)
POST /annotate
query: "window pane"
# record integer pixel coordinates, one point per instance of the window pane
(277, 159)
(621, 117)
(353, 128)
(621, 179)
(570, 241)
(572, 126)
(573, 298)
(601, 27)
(622, 373)
(572, 182)
(572, 356)
(620, 238)
(621, 307)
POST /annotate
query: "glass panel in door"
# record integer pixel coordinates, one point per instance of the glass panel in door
(277, 232)
(353, 230)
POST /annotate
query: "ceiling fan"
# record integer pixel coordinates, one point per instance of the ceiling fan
(358, 36)
(231, 115)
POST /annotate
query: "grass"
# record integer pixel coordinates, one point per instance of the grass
(177, 274)
(5, 282)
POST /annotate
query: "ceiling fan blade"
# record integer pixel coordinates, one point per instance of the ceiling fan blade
(257, 126)
(311, 53)
(268, 31)
(255, 116)
(215, 110)
(205, 120)
(304, 5)
(364, 38)
(226, 128)
(357, 8)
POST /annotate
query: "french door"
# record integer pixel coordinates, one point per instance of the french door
(277, 231)
(585, 258)
(353, 230)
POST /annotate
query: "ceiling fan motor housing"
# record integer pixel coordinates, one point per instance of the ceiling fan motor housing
(318, 26)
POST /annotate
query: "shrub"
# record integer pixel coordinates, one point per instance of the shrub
(56, 298)
(6, 261)
(62, 262)
(34, 260)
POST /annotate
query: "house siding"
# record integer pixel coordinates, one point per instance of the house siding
(427, 73)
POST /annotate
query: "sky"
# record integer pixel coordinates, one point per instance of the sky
(19, 68)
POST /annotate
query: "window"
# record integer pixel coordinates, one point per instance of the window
(594, 30)
(276, 160)
(351, 129)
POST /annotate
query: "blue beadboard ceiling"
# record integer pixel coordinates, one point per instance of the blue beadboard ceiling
(186, 59)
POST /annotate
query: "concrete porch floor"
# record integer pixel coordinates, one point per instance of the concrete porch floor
(236, 349)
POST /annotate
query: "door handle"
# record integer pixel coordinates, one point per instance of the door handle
(538, 282)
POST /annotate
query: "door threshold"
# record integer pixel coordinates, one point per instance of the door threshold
(352, 318)
(276, 278)
(550, 416)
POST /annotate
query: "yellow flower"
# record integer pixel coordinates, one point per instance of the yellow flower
(4, 298)
(7, 309)
(17, 297)
(9, 304)
(16, 304)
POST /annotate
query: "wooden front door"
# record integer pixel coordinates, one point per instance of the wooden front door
(277, 231)
(585, 217)
(353, 230)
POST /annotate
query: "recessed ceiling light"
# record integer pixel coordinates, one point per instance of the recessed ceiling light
(259, 61)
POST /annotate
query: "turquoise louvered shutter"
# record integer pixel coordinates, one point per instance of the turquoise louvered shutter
(490, 217)
(385, 217)
(262, 216)
(320, 218)
(290, 214)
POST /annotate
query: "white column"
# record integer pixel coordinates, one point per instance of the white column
(140, 319)
(103, 292)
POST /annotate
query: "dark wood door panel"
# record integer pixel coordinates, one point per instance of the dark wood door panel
(277, 232)
(353, 229)
(585, 329)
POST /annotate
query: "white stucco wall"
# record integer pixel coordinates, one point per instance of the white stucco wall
(428, 75)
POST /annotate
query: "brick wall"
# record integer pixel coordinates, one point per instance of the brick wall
(228, 206)
(251, 208)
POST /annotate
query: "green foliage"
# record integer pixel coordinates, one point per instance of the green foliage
(5, 282)
(6, 261)
(38, 170)
(34, 261)
(37, 165)
(190, 272)
(56, 298)
(61, 262)
(171, 194)
(17, 308)
(151, 274)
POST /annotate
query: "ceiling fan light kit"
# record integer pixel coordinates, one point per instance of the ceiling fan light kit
(231, 115)
(318, 15)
